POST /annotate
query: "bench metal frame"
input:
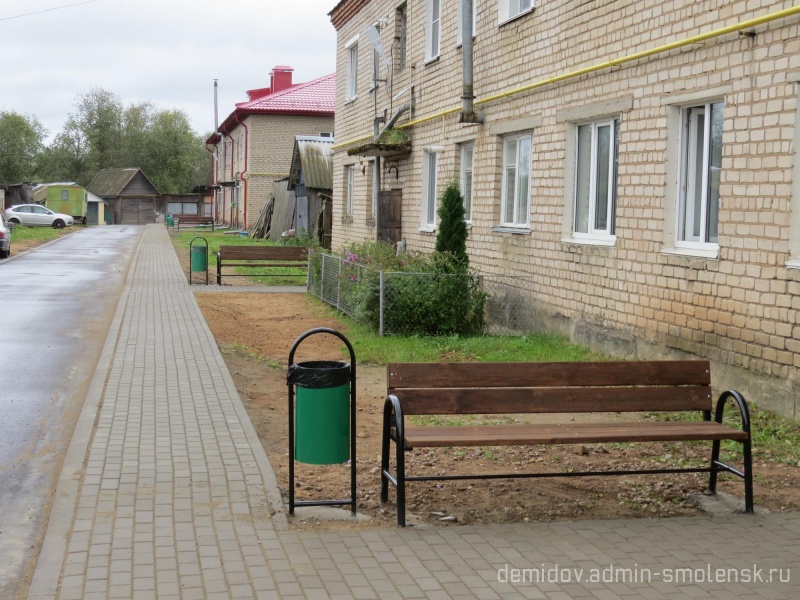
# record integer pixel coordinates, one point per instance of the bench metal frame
(394, 430)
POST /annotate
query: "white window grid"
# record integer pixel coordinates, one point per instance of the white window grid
(517, 159)
(701, 153)
(433, 25)
(430, 170)
(593, 218)
(467, 160)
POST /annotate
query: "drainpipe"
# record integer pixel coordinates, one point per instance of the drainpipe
(468, 114)
(213, 178)
(235, 189)
(244, 170)
(393, 119)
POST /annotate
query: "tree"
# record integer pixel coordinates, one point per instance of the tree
(452, 235)
(21, 147)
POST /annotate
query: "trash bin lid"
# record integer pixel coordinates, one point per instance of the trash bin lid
(318, 374)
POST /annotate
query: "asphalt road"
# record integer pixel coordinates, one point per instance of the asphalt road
(56, 305)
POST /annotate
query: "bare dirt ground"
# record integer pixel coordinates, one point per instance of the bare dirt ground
(255, 333)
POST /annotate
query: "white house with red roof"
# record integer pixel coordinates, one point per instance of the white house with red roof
(254, 144)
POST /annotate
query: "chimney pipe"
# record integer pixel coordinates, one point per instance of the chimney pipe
(468, 114)
(216, 109)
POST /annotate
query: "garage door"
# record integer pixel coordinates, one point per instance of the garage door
(138, 211)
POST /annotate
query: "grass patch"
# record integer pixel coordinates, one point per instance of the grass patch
(371, 348)
(37, 235)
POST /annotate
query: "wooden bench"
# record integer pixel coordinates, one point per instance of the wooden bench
(192, 221)
(568, 388)
(261, 256)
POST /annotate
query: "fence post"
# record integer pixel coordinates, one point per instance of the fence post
(339, 286)
(380, 303)
(322, 279)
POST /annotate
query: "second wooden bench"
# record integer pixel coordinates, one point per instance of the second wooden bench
(569, 388)
(261, 256)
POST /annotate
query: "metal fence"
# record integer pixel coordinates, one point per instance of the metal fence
(376, 296)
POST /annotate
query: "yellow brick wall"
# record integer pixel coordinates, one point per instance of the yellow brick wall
(741, 308)
(269, 155)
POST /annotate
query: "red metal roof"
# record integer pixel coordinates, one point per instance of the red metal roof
(317, 97)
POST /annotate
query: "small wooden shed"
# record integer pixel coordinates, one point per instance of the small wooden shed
(311, 180)
(133, 197)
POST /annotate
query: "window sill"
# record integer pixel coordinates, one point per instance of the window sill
(510, 229)
(430, 61)
(350, 100)
(589, 241)
(427, 230)
(793, 264)
(711, 252)
(515, 17)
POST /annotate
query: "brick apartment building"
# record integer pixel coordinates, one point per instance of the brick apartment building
(254, 144)
(635, 158)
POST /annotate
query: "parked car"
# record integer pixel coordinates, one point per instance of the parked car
(5, 238)
(34, 215)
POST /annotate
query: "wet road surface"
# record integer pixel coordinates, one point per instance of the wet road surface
(56, 304)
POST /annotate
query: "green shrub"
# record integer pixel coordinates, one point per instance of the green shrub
(423, 295)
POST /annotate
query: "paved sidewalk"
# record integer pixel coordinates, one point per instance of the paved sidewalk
(167, 493)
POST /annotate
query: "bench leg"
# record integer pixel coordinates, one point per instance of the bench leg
(385, 449)
(401, 485)
(748, 476)
(712, 478)
(748, 472)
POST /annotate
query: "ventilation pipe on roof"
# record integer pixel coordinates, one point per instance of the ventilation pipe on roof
(468, 114)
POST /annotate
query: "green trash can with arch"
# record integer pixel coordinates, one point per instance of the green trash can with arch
(322, 416)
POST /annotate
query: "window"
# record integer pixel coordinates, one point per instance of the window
(65, 194)
(400, 28)
(510, 9)
(596, 178)
(516, 180)
(326, 134)
(467, 152)
(429, 192)
(432, 29)
(459, 37)
(350, 184)
(351, 79)
(701, 165)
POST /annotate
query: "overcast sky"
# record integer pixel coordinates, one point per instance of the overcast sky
(166, 51)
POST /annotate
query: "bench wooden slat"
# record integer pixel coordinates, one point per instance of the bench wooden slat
(585, 374)
(295, 265)
(570, 433)
(441, 401)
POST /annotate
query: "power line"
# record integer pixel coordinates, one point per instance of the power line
(38, 12)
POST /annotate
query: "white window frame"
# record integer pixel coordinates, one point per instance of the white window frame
(687, 199)
(508, 10)
(401, 36)
(351, 79)
(592, 231)
(466, 179)
(459, 36)
(350, 188)
(430, 188)
(433, 29)
(516, 202)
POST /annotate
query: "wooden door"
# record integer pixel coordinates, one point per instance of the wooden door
(390, 212)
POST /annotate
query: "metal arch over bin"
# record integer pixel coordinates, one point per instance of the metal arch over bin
(322, 425)
(198, 258)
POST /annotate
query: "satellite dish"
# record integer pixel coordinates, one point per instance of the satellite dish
(374, 37)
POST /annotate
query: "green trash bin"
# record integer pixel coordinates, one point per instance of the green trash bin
(170, 221)
(322, 417)
(199, 258)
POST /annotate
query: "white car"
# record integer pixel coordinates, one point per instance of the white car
(35, 215)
